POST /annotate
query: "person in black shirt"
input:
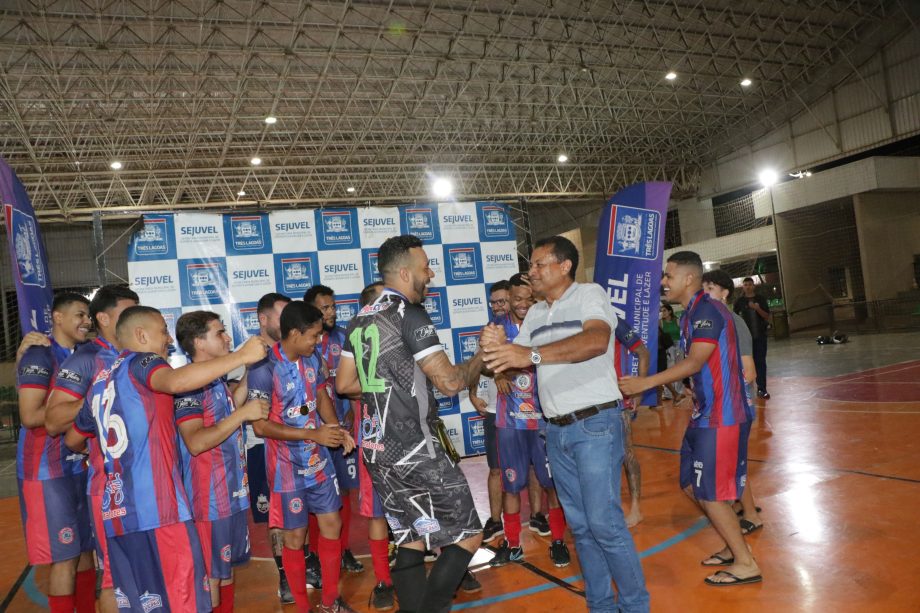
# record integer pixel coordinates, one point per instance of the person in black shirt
(755, 311)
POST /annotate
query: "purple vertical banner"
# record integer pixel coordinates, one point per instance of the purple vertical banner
(27, 254)
(630, 243)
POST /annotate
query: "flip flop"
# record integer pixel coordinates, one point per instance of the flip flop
(735, 580)
(748, 526)
(721, 561)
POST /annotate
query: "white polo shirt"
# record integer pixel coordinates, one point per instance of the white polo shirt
(565, 388)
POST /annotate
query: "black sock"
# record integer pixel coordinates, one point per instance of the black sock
(279, 564)
(444, 579)
(408, 575)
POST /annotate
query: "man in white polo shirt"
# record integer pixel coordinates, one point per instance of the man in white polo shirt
(569, 338)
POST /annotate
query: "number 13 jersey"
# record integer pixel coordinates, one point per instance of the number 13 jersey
(386, 339)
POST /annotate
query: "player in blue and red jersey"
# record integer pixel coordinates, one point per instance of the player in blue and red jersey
(714, 452)
(629, 341)
(519, 435)
(301, 426)
(346, 465)
(70, 388)
(154, 551)
(213, 456)
(51, 478)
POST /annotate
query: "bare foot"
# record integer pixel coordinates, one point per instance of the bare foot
(634, 516)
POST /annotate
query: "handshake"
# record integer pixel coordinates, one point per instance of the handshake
(498, 354)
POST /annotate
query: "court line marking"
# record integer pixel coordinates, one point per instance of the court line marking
(15, 588)
(700, 523)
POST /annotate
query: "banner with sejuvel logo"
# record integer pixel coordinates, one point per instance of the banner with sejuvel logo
(27, 254)
(630, 244)
(181, 262)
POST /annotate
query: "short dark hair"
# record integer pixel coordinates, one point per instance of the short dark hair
(107, 298)
(394, 250)
(316, 291)
(687, 258)
(746, 279)
(267, 302)
(720, 278)
(132, 313)
(667, 306)
(518, 280)
(298, 315)
(65, 299)
(500, 286)
(369, 293)
(563, 249)
(191, 326)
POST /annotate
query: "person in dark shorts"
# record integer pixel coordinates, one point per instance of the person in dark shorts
(392, 360)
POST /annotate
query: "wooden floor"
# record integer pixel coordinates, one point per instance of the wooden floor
(834, 464)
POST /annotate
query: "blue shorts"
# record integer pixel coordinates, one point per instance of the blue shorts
(55, 518)
(517, 450)
(224, 544)
(259, 492)
(714, 462)
(346, 468)
(162, 567)
(289, 510)
(491, 445)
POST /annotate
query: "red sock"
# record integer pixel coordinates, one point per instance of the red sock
(557, 523)
(512, 528)
(295, 567)
(61, 604)
(380, 550)
(226, 598)
(313, 533)
(346, 521)
(85, 591)
(330, 560)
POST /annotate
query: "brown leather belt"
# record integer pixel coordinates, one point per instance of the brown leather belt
(571, 418)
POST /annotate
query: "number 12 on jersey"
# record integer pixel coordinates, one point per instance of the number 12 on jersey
(370, 382)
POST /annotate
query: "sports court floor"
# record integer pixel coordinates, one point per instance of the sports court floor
(835, 463)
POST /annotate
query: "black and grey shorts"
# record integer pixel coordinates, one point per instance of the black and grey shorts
(428, 499)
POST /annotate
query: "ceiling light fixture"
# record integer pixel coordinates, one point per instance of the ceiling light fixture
(350, 190)
(563, 158)
(241, 193)
(116, 165)
(270, 120)
(442, 188)
(768, 177)
(746, 82)
(255, 161)
(670, 76)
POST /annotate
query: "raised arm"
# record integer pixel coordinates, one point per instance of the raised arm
(198, 374)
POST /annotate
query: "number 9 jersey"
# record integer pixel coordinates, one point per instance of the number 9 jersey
(143, 488)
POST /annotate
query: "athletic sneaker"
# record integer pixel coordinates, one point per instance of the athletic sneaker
(507, 554)
(351, 564)
(284, 590)
(314, 572)
(539, 524)
(381, 597)
(430, 556)
(338, 606)
(764, 394)
(470, 584)
(492, 530)
(559, 554)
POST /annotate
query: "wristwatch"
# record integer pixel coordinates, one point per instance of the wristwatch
(535, 357)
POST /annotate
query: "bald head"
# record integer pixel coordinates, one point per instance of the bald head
(143, 329)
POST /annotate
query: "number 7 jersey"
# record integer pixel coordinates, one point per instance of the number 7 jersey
(386, 339)
(137, 436)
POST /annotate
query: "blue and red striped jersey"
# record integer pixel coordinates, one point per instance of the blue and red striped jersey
(627, 339)
(718, 388)
(40, 456)
(215, 480)
(330, 350)
(288, 386)
(74, 379)
(143, 488)
(519, 410)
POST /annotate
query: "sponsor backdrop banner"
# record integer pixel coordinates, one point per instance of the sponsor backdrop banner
(27, 254)
(225, 262)
(630, 242)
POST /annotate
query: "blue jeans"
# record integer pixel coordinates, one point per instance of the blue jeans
(586, 458)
